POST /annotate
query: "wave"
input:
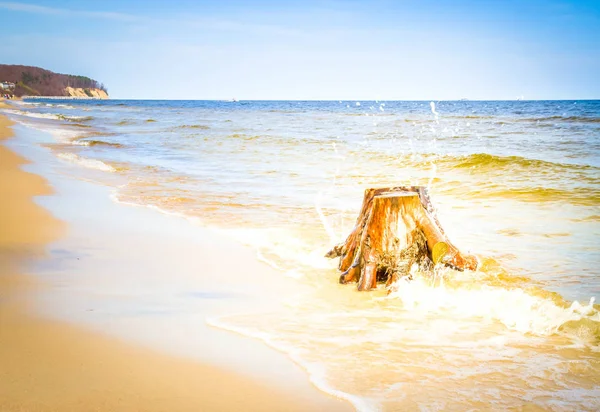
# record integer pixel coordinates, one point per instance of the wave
(545, 121)
(78, 119)
(192, 126)
(581, 196)
(92, 143)
(279, 139)
(33, 114)
(64, 106)
(25, 103)
(518, 310)
(421, 120)
(86, 162)
(242, 136)
(590, 218)
(485, 160)
(570, 119)
(61, 134)
(79, 125)
(51, 116)
(469, 116)
(99, 133)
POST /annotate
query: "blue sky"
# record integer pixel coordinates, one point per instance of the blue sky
(405, 50)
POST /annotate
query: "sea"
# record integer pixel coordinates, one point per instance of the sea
(516, 183)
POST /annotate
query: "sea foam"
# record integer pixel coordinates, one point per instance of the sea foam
(516, 309)
(86, 162)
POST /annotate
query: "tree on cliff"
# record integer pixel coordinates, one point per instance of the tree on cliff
(36, 81)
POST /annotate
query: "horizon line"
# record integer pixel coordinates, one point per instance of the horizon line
(328, 100)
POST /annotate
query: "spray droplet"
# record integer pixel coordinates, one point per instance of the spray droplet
(432, 104)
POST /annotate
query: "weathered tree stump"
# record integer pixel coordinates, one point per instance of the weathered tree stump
(396, 229)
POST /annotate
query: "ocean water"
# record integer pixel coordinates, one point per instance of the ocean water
(516, 183)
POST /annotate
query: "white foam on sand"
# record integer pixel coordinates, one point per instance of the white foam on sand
(33, 115)
(86, 162)
(315, 371)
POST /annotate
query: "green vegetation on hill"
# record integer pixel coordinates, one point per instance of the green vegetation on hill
(35, 81)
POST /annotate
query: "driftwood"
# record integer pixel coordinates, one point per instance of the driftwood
(395, 230)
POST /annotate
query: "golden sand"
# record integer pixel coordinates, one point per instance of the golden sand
(51, 366)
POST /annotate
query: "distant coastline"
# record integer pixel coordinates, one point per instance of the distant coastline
(64, 97)
(35, 82)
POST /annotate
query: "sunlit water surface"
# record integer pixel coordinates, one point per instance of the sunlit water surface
(517, 183)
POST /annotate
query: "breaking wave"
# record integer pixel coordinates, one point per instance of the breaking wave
(33, 114)
(570, 119)
(50, 116)
(485, 160)
(192, 126)
(86, 162)
(91, 143)
(78, 119)
(583, 196)
(64, 106)
(515, 308)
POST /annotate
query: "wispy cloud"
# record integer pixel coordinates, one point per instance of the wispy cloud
(36, 9)
(189, 21)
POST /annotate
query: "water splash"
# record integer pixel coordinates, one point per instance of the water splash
(516, 309)
(326, 225)
(432, 175)
(432, 105)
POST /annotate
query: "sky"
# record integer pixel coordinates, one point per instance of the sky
(314, 50)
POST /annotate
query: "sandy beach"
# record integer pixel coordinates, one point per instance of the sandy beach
(49, 365)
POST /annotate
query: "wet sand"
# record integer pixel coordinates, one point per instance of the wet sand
(49, 365)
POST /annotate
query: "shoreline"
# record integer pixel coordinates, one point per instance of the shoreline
(59, 98)
(55, 365)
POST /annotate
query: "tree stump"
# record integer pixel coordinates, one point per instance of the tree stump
(396, 229)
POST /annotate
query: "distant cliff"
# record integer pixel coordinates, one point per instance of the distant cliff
(35, 81)
(86, 92)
